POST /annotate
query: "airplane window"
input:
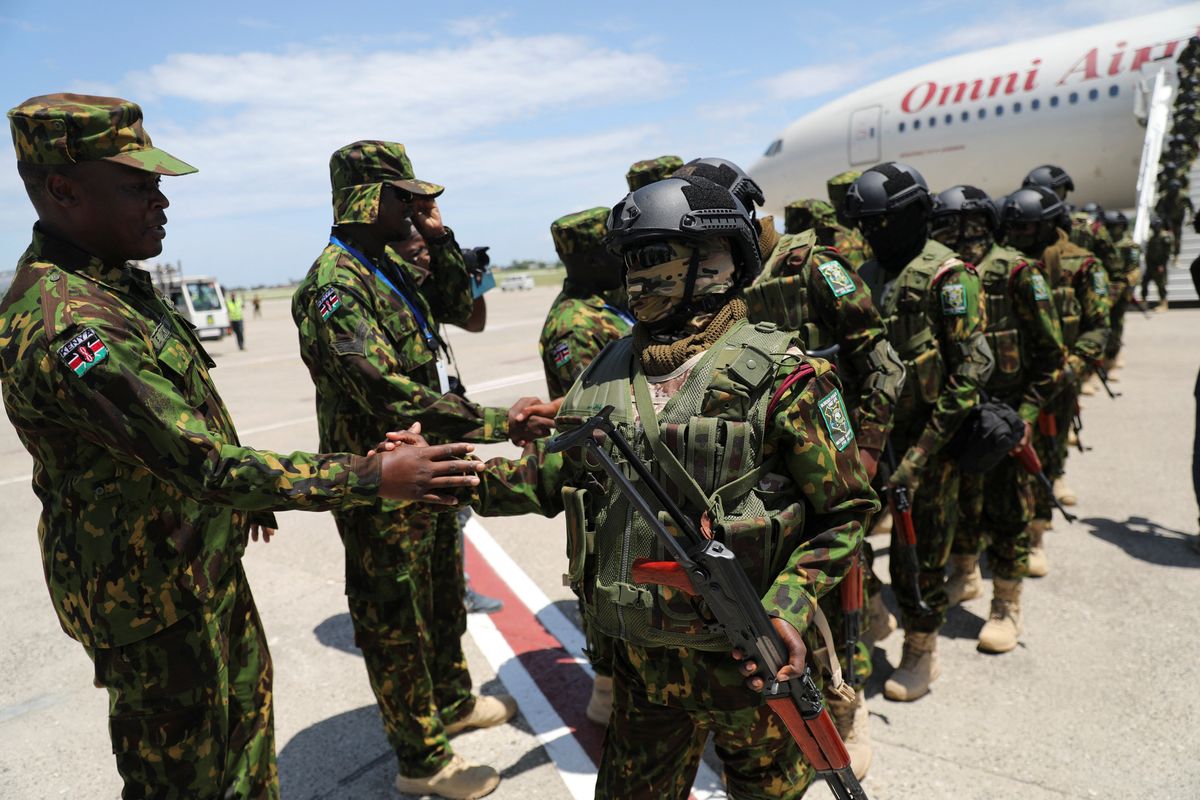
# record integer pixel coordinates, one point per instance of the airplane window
(1073, 97)
(1114, 90)
(1017, 107)
(1093, 94)
(1035, 104)
(999, 111)
(982, 113)
(916, 124)
(933, 122)
(1054, 101)
(774, 147)
(966, 116)
(902, 127)
(949, 118)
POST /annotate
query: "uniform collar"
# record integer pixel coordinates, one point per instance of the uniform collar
(49, 248)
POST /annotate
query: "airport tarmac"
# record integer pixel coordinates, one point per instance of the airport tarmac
(1099, 701)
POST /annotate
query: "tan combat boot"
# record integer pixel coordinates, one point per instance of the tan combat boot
(1119, 362)
(599, 707)
(965, 581)
(1064, 493)
(853, 725)
(1000, 632)
(1110, 366)
(880, 621)
(458, 780)
(918, 668)
(488, 712)
(883, 524)
(1039, 566)
(1161, 307)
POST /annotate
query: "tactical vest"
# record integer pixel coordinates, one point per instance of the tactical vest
(784, 299)
(706, 448)
(904, 304)
(997, 272)
(1066, 262)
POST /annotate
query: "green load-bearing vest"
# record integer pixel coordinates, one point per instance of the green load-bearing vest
(706, 448)
(904, 306)
(997, 271)
(783, 299)
(1066, 262)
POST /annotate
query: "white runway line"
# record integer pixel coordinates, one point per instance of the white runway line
(708, 785)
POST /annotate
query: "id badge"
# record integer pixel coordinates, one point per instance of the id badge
(443, 376)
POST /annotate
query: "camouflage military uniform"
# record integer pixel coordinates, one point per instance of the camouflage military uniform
(369, 338)
(668, 698)
(1091, 235)
(1174, 207)
(935, 318)
(146, 492)
(852, 246)
(1026, 340)
(1120, 289)
(810, 288)
(1080, 289)
(821, 218)
(1159, 247)
(651, 170)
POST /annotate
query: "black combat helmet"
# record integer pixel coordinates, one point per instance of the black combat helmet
(692, 209)
(966, 200)
(1050, 177)
(1031, 204)
(886, 188)
(1116, 221)
(727, 174)
(1093, 209)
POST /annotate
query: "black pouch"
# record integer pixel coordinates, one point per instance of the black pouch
(986, 436)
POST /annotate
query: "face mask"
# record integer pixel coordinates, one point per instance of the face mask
(896, 238)
(657, 275)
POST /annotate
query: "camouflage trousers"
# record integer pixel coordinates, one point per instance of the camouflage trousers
(1119, 291)
(995, 510)
(1053, 450)
(935, 519)
(1158, 274)
(666, 701)
(859, 670)
(404, 586)
(190, 713)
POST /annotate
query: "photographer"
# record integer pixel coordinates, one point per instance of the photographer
(368, 323)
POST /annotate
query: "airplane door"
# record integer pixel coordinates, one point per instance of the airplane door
(865, 133)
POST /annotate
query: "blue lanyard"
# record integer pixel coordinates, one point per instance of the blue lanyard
(426, 331)
(625, 315)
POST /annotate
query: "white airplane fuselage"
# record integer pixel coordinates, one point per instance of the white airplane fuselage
(986, 118)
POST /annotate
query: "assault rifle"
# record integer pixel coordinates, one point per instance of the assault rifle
(905, 541)
(1027, 457)
(851, 591)
(1102, 374)
(704, 567)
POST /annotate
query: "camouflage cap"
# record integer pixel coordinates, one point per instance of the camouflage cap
(579, 242)
(837, 186)
(359, 171)
(808, 213)
(58, 129)
(643, 173)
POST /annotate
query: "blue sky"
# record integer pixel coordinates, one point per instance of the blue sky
(525, 111)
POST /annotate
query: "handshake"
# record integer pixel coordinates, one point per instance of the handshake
(412, 469)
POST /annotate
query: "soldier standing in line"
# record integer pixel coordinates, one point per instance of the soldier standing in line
(1120, 287)
(851, 243)
(932, 309)
(1174, 206)
(1159, 248)
(644, 173)
(764, 428)
(147, 494)
(582, 321)
(1036, 224)
(1026, 341)
(810, 289)
(820, 217)
(368, 328)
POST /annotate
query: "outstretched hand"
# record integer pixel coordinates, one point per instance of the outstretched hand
(531, 418)
(796, 652)
(428, 474)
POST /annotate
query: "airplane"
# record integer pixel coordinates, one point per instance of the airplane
(986, 118)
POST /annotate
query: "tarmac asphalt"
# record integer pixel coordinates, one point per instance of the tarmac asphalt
(1099, 701)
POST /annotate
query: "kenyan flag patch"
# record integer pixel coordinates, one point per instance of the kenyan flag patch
(329, 303)
(561, 354)
(83, 352)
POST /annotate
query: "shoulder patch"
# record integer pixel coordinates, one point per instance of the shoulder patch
(161, 334)
(835, 275)
(83, 352)
(561, 353)
(1100, 282)
(1040, 290)
(329, 302)
(837, 420)
(954, 299)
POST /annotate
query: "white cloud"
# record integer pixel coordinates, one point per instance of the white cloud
(813, 80)
(477, 26)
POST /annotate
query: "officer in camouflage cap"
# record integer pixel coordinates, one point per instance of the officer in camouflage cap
(586, 317)
(850, 241)
(694, 384)
(646, 172)
(369, 333)
(820, 217)
(147, 494)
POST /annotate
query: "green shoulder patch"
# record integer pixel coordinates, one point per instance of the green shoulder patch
(1100, 282)
(1040, 290)
(835, 275)
(837, 420)
(83, 352)
(954, 299)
